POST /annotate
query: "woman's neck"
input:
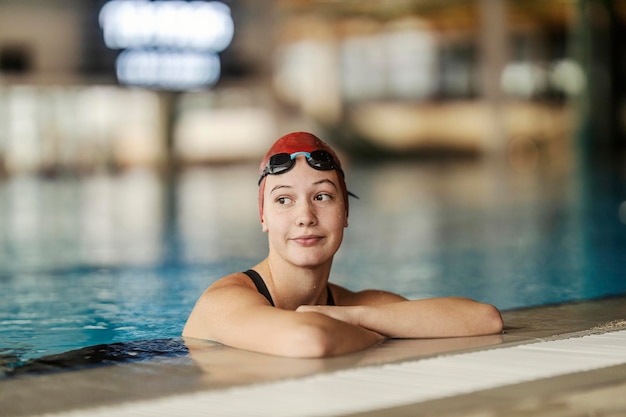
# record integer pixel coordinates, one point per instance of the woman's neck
(292, 286)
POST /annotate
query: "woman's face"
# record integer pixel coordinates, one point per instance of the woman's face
(304, 214)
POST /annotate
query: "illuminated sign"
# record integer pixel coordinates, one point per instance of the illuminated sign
(167, 44)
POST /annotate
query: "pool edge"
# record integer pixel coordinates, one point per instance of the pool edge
(216, 367)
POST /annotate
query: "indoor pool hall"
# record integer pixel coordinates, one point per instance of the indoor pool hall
(485, 141)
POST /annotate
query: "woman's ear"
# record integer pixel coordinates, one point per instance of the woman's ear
(263, 225)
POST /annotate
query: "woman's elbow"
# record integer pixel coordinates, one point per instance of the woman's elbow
(490, 320)
(309, 342)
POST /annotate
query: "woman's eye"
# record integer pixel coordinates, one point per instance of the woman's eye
(283, 200)
(323, 197)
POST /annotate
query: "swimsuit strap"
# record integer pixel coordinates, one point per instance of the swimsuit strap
(330, 300)
(260, 284)
(262, 288)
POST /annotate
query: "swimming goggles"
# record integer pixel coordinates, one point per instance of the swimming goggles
(283, 162)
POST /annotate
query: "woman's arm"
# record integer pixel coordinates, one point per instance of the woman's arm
(239, 316)
(435, 317)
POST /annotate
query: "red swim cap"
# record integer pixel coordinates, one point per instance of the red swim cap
(299, 142)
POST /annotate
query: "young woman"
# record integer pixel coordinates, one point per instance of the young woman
(285, 305)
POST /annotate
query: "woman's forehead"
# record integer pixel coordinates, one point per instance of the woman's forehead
(302, 175)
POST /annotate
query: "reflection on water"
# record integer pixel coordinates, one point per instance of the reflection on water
(104, 259)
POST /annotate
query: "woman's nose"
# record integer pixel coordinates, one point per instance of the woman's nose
(306, 214)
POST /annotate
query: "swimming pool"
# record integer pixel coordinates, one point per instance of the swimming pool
(107, 259)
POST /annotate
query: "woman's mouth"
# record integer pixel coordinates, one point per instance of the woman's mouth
(307, 240)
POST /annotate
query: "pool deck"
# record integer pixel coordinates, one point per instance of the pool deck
(599, 392)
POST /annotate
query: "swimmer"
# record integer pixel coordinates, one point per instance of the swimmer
(285, 305)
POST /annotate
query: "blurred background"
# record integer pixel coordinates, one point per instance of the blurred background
(485, 138)
(95, 85)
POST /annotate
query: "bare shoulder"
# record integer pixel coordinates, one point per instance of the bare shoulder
(233, 280)
(233, 290)
(228, 297)
(346, 297)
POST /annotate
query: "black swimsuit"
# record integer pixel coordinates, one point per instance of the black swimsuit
(262, 288)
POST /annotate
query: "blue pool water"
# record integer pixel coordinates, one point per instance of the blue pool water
(107, 259)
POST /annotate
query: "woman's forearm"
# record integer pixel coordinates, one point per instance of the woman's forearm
(319, 335)
(437, 317)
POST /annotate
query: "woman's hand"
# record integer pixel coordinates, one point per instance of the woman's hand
(347, 314)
